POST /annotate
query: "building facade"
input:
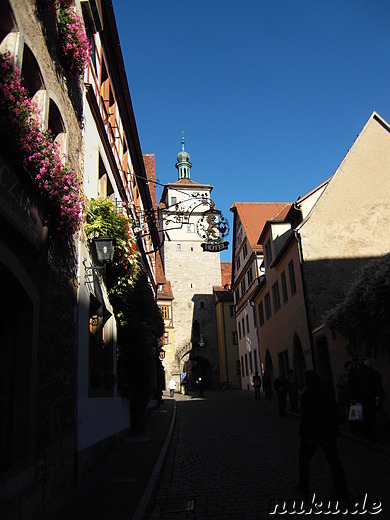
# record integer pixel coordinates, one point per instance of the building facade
(229, 363)
(247, 259)
(312, 256)
(60, 403)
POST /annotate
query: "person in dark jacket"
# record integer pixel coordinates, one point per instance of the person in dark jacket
(319, 413)
(281, 387)
(363, 389)
(256, 380)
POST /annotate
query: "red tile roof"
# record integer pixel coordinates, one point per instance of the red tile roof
(226, 274)
(254, 215)
(222, 294)
(166, 293)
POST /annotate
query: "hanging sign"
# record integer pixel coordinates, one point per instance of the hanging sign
(213, 228)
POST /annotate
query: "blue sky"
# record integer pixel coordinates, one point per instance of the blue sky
(270, 94)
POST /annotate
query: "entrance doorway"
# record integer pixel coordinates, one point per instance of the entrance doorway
(16, 311)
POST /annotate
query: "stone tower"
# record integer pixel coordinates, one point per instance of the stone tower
(192, 273)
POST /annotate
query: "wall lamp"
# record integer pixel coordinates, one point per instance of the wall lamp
(104, 250)
(161, 354)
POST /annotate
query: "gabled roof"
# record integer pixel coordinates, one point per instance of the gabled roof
(181, 183)
(221, 294)
(323, 184)
(254, 215)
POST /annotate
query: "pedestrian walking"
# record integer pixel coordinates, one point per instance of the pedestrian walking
(172, 386)
(319, 428)
(280, 385)
(292, 389)
(343, 394)
(363, 389)
(200, 387)
(267, 386)
(256, 380)
(379, 393)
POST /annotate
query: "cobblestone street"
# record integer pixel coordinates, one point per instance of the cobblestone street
(232, 457)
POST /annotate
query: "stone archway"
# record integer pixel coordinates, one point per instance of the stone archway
(17, 369)
(201, 367)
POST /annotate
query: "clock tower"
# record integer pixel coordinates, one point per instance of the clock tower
(192, 272)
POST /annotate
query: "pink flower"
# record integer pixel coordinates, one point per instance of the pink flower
(37, 149)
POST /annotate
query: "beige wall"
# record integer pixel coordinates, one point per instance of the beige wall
(228, 353)
(278, 333)
(350, 222)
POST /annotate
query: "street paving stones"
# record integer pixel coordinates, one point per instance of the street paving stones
(232, 457)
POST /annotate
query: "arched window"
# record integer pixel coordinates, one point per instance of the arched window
(33, 81)
(56, 126)
(9, 34)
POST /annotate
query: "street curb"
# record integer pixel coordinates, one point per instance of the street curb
(151, 486)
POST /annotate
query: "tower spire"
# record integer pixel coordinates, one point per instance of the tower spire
(183, 161)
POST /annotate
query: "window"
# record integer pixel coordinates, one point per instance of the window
(164, 311)
(250, 362)
(238, 263)
(234, 338)
(246, 365)
(267, 303)
(232, 311)
(242, 367)
(101, 358)
(268, 254)
(173, 200)
(239, 330)
(201, 305)
(284, 287)
(178, 247)
(166, 338)
(291, 274)
(244, 250)
(254, 316)
(190, 228)
(275, 296)
(105, 189)
(247, 324)
(160, 287)
(250, 276)
(243, 326)
(261, 314)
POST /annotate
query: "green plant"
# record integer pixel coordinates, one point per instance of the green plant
(102, 218)
(139, 320)
(363, 315)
